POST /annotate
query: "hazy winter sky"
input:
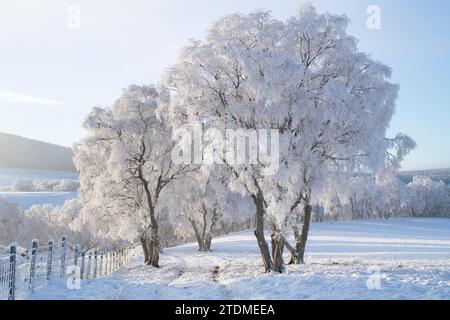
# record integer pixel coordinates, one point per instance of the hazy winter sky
(51, 75)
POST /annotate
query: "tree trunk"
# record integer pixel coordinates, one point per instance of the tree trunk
(154, 241)
(209, 235)
(353, 208)
(204, 238)
(153, 256)
(259, 233)
(205, 226)
(208, 242)
(301, 245)
(277, 252)
(154, 253)
(145, 248)
(292, 251)
(197, 235)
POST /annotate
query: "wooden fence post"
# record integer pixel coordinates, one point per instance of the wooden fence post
(49, 259)
(83, 253)
(63, 256)
(34, 253)
(12, 271)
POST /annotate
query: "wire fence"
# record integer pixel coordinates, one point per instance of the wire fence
(22, 273)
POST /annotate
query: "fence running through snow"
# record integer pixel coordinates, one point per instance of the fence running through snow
(22, 273)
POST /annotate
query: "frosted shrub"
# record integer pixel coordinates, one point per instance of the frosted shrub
(22, 186)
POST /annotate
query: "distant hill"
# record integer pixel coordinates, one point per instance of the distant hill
(19, 152)
(434, 174)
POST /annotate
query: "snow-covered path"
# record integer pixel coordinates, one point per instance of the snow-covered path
(409, 259)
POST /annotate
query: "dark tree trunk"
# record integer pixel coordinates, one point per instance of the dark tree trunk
(277, 252)
(301, 244)
(154, 253)
(291, 249)
(145, 248)
(259, 233)
(154, 240)
(204, 238)
(153, 247)
(153, 256)
(209, 235)
(205, 226)
(197, 235)
(208, 242)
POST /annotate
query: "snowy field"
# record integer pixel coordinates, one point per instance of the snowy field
(27, 199)
(8, 175)
(409, 259)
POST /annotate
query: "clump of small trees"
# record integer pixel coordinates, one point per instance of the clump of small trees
(368, 197)
(45, 222)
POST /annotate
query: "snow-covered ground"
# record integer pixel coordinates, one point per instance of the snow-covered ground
(397, 259)
(28, 199)
(9, 175)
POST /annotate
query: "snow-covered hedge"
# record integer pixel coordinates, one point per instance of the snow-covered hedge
(366, 197)
(44, 222)
(425, 197)
(22, 185)
(10, 221)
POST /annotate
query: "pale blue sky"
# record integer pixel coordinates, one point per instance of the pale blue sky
(50, 76)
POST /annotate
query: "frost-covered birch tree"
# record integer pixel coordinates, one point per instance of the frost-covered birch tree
(125, 165)
(329, 103)
(204, 200)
